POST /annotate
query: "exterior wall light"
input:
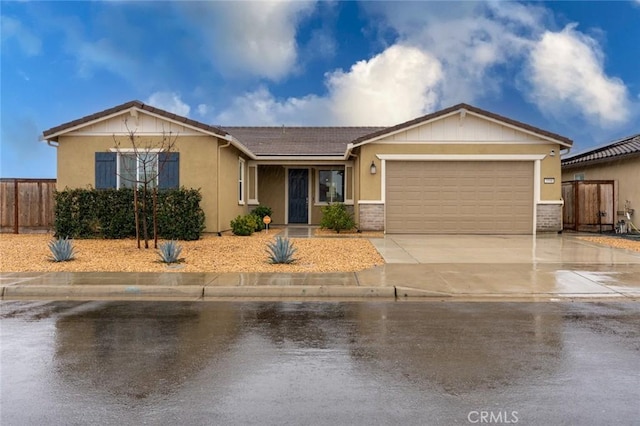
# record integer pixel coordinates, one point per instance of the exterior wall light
(552, 153)
(373, 169)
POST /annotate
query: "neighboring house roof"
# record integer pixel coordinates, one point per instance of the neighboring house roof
(456, 108)
(52, 133)
(283, 141)
(616, 150)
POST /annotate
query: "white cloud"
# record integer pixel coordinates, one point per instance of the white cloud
(450, 53)
(565, 69)
(469, 39)
(249, 38)
(169, 101)
(484, 46)
(399, 84)
(396, 85)
(261, 108)
(13, 28)
(203, 110)
(102, 54)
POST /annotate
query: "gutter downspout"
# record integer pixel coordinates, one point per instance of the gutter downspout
(218, 184)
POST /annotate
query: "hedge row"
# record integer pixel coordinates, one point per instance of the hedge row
(109, 213)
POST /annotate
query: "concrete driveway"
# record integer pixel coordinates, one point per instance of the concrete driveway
(553, 265)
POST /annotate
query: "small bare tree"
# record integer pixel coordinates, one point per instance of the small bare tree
(140, 168)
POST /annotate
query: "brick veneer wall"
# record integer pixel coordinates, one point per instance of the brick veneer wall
(371, 217)
(549, 218)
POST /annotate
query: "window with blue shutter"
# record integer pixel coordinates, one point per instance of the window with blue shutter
(105, 170)
(169, 166)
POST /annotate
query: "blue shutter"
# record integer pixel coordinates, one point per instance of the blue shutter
(106, 170)
(169, 165)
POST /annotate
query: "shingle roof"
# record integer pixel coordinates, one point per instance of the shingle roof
(621, 148)
(263, 141)
(126, 106)
(467, 107)
(295, 141)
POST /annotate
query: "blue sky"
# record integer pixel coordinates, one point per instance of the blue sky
(567, 67)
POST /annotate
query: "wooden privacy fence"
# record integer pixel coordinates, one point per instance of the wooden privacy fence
(27, 205)
(588, 205)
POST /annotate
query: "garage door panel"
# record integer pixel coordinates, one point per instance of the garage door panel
(459, 197)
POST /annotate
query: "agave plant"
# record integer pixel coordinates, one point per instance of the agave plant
(281, 251)
(61, 250)
(169, 252)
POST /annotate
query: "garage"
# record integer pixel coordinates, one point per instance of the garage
(459, 197)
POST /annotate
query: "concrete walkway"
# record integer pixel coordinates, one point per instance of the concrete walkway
(436, 267)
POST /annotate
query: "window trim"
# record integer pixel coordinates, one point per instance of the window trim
(125, 151)
(317, 184)
(254, 166)
(241, 181)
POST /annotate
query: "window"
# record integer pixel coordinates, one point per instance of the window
(141, 167)
(331, 186)
(122, 169)
(578, 176)
(240, 181)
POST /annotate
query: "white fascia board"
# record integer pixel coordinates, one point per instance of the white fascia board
(236, 143)
(461, 157)
(348, 151)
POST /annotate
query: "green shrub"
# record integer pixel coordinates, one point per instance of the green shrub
(244, 225)
(281, 251)
(109, 213)
(179, 214)
(169, 252)
(260, 212)
(61, 250)
(336, 216)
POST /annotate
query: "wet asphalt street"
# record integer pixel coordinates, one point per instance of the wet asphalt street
(167, 363)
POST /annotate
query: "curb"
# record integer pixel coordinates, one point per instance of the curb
(53, 292)
(299, 291)
(198, 292)
(126, 292)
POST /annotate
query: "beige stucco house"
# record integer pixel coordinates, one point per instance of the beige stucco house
(458, 170)
(617, 161)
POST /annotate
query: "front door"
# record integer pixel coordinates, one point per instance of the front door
(298, 196)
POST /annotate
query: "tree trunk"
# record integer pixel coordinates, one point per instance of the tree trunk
(155, 218)
(135, 213)
(145, 230)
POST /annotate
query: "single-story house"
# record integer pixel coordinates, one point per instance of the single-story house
(458, 170)
(617, 161)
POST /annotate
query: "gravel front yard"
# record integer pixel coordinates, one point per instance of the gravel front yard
(614, 242)
(229, 253)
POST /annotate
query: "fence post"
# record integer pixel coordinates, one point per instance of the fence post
(16, 213)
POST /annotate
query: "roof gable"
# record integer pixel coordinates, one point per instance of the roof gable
(621, 148)
(484, 125)
(112, 121)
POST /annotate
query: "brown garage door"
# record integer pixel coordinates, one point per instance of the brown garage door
(459, 197)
